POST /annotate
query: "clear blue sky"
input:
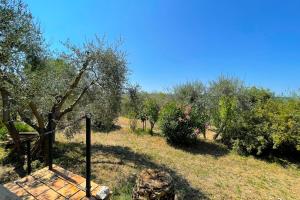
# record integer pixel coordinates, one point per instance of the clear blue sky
(174, 41)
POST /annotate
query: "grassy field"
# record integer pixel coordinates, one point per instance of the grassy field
(204, 171)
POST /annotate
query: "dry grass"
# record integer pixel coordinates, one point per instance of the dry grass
(204, 171)
(124, 122)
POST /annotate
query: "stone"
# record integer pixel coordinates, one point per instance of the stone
(154, 185)
(103, 193)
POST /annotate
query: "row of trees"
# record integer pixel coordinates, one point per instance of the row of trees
(248, 119)
(253, 120)
(35, 84)
(140, 106)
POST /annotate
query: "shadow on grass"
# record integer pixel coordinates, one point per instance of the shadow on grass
(140, 131)
(204, 147)
(285, 160)
(106, 130)
(12, 169)
(67, 155)
(12, 159)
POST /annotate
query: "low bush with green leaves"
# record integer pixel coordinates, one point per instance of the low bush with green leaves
(3, 133)
(152, 112)
(178, 124)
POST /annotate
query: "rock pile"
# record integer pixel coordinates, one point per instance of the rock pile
(154, 185)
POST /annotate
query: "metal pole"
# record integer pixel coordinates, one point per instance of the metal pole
(50, 141)
(88, 156)
(28, 157)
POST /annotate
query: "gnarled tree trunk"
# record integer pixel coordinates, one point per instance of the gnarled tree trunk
(8, 122)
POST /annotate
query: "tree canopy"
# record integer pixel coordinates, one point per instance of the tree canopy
(35, 83)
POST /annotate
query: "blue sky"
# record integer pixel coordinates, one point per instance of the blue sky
(174, 41)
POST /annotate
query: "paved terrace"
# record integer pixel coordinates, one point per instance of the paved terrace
(53, 184)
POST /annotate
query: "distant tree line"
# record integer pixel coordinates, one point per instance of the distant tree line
(249, 120)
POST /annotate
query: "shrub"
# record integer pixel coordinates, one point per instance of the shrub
(3, 133)
(222, 104)
(247, 127)
(285, 127)
(194, 94)
(105, 108)
(258, 123)
(152, 112)
(178, 124)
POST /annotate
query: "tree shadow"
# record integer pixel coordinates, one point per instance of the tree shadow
(140, 131)
(65, 155)
(284, 160)
(12, 159)
(15, 168)
(204, 147)
(105, 129)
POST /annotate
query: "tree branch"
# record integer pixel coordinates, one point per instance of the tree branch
(37, 115)
(6, 117)
(29, 122)
(71, 87)
(71, 107)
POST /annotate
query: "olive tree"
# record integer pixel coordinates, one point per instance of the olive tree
(152, 112)
(95, 68)
(34, 86)
(194, 94)
(190, 92)
(20, 42)
(133, 105)
(223, 103)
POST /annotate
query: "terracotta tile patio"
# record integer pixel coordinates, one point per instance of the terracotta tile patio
(51, 185)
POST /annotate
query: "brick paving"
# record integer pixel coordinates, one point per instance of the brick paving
(51, 185)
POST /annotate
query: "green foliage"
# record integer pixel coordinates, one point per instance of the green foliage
(135, 102)
(253, 121)
(189, 92)
(124, 191)
(106, 95)
(178, 124)
(151, 108)
(222, 105)
(194, 94)
(3, 133)
(105, 106)
(22, 127)
(227, 117)
(20, 36)
(133, 106)
(250, 133)
(285, 125)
